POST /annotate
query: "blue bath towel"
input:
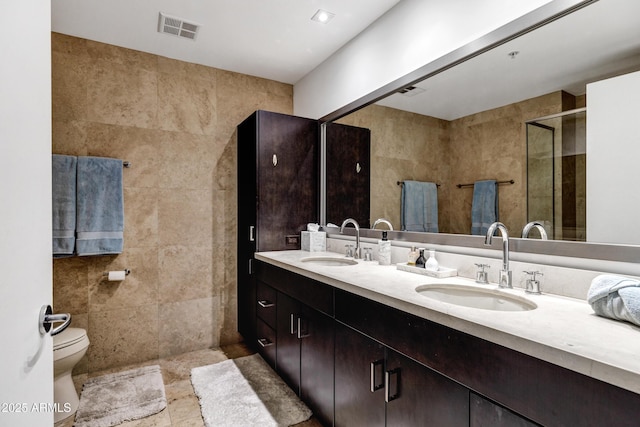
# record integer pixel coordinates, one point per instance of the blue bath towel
(419, 207)
(484, 207)
(615, 297)
(63, 204)
(100, 206)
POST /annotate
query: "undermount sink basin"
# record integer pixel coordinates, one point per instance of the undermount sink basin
(329, 261)
(473, 297)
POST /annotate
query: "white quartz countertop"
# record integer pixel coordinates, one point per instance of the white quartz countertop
(563, 331)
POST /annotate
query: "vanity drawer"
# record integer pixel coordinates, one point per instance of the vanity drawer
(313, 293)
(266, 303)
(266, 342)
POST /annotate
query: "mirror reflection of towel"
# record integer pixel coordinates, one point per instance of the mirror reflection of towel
(484, 208)
(419, 206)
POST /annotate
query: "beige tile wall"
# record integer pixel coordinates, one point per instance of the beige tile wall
(175, 122)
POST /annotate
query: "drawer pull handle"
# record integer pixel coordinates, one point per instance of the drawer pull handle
(265, 342)
(265, 303)
(376, 366)
(388, 395)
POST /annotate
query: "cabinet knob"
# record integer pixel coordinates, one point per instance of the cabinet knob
(274, 160)
(358, 168)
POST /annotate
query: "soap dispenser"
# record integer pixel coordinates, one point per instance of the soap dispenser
(413, 256)
(432, 262)
(384, 250)
(420, 262)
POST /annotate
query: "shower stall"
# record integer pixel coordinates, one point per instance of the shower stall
(556, 174)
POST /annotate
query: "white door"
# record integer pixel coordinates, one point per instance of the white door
(26, 357)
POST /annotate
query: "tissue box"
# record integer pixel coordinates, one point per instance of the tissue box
(314, 241)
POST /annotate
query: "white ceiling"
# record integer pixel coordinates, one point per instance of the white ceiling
(593, 43)
(276, 39)
(273, 39)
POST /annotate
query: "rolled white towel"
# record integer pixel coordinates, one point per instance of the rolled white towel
(615, 297)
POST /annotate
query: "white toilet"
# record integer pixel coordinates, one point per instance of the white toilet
(68, 348)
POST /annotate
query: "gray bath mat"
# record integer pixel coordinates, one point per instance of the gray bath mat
(246, 392)
(112, 399)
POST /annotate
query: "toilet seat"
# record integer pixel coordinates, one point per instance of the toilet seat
(68, 337)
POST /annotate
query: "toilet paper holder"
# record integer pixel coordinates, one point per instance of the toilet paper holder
(126, 273)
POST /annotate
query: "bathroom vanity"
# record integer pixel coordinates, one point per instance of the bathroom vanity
(362, 347)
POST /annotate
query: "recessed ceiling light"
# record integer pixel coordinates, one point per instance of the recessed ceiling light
(322, 16)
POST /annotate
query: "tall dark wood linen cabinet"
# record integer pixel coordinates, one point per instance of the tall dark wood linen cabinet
(277, 195)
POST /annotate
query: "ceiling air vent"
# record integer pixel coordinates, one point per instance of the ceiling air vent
(411, 91)
(177, 26)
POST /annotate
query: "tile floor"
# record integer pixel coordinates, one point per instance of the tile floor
(182, 409)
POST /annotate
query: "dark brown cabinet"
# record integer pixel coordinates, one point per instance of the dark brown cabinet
(265, 304)
(348, 173)
(359, 366)
(484, 413)
(305, 354)
(277, 195)
(304, 344)
(393, 368)
(375, 385)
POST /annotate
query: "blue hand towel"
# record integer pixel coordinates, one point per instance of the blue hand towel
(484, 207)
(63, 177)
(615, 297)
(100, 206)
(419, 207)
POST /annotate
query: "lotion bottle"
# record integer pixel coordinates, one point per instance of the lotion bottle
(432, 262)
(384, 250)
(413, 256)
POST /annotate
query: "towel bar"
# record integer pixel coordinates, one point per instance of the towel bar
(402, 183)
(498, 182)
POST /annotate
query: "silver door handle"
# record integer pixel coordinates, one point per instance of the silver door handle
(388, 395)
(47, 318)
(251, 233)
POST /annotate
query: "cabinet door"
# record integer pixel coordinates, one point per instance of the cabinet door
(419, 396)
(359, 379)
(288, 345)
(316, 362)
(287, 178)
(484, 413)
(348, 174)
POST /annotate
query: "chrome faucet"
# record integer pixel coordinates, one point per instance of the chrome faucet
(382, 221)
(356, 252)
(537, 224)
(505, 274)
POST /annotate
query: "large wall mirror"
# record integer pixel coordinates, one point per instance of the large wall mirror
(469, 122)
